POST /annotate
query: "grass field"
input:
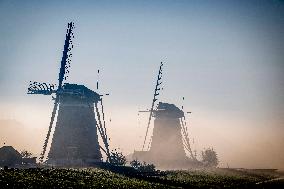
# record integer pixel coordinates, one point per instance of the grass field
(98, 178)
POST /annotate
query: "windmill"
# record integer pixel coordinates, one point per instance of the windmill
(170, 140)
(75, 139)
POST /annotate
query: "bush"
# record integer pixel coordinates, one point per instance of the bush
(209, 158)
(26, 154)
(143, 167)
(135, 164)
(117, 158)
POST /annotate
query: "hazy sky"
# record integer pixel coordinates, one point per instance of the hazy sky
(224, 57)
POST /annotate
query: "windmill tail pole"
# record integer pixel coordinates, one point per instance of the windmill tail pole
(49, 128)
(102, 132)
(104, 125)
(105, 132)
(186, 139)
(150, 141)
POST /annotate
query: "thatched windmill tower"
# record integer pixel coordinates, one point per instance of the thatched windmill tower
(167, 144)
(75, 139)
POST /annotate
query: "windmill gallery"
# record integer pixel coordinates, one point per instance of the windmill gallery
(80, 115)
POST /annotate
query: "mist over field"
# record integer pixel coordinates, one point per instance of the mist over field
(225, 58)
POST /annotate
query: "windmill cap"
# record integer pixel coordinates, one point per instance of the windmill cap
(74, 91)
(168, 110)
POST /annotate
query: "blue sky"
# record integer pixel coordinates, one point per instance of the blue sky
(224, 57)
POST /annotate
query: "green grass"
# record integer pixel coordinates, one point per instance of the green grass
(215, 179)
(69, 178)
(98, 178)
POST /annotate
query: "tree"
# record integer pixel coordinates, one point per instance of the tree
(26, 154)
(209, 158)
(117, 158)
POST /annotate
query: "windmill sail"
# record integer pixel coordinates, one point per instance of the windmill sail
(156, 93)
(49, 128)
(65, 63)
(41, 88)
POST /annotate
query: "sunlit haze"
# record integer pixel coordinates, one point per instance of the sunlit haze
(224, 57)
